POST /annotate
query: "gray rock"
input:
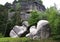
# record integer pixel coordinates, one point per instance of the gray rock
(17, 30)
(41, 31)
(13, 34)
(33, 31)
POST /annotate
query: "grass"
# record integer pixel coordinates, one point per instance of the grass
(25, 40)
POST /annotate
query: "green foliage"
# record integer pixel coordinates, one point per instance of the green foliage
(56, 37)
(54, 19)
(25, 40)
(11, 10)
(5, 24)
(18, 6)
(3, 19)
(1, 35)
(36, 16)
(16, 18)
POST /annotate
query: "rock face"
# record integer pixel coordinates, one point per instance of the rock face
(26, 6)
(42, 31)
(17, 31)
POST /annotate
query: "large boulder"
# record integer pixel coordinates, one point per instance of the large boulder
(17, 30)
(41, 31)
(33, 31)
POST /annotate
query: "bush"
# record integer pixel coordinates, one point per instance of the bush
(35, 17)
(54, 19)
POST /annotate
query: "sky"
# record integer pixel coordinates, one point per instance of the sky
(4, 1)
(49, 3)
(46, 3)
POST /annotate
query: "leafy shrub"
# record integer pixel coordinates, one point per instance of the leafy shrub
(54, 19)
(36, 16)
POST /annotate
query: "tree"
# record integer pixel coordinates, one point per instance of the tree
(3, 18)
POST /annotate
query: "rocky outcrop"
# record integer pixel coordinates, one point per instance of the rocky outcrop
(42, 31)
(17, 31)
(31, 5)
(20, 31)
(26, 7)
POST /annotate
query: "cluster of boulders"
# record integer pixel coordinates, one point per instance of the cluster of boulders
(42, 30)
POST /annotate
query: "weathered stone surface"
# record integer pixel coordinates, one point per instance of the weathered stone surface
(13, 34)
(33, 31)
(17, 30)
(26, 6)
(42, 31)
(32, 4)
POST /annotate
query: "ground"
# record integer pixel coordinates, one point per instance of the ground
(25, 40)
